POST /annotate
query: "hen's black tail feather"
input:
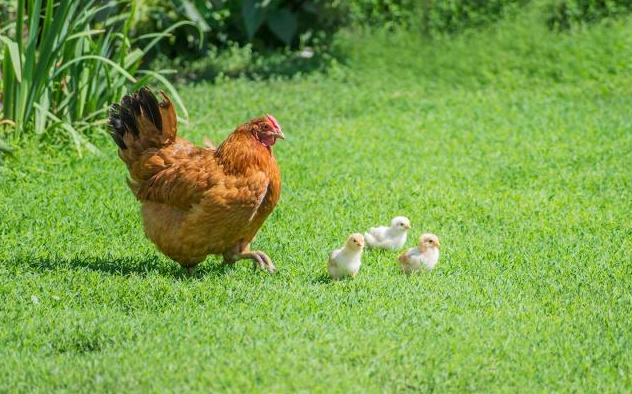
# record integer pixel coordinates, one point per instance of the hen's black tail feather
(123, 116)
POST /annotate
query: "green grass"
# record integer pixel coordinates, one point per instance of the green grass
(513, 145)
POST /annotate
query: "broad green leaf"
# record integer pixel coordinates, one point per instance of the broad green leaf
(254, 16)
(283, 24)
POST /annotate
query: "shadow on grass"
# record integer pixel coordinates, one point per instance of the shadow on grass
(322, 279)
(121, 266)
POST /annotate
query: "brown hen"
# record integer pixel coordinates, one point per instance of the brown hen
(198, 201)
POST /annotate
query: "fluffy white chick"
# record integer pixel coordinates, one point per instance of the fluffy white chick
(426, 255)
(347, 260)
(392, 237)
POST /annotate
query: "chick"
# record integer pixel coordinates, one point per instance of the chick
(346, 261)
(393, 237)
(426, 255)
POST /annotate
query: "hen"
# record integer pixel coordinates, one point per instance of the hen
(198, 201)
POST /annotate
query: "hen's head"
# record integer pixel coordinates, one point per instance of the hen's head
(266, 130)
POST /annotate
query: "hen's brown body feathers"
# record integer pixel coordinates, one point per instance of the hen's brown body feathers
(195, 201)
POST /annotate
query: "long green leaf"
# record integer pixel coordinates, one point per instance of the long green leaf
(19, 23)
(14, 55)
(171, 28)
(40, 114)
(53, 37)
(193, 14)
(85, 33)
(8, 83)
(73, 65)
(133, 57)
(114, 65)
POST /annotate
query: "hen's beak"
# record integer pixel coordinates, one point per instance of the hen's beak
(279, 134)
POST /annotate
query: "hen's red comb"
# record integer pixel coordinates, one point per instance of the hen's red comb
(274, 122)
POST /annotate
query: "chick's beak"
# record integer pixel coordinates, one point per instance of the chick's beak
(407, 226)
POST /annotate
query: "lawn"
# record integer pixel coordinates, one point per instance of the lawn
(512, 144)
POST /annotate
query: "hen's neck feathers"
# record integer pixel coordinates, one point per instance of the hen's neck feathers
(241, 153)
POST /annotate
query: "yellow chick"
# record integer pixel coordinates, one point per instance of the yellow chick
(426, 255)
(347, 260)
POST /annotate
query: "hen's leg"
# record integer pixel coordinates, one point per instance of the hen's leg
(228, 260)
(259, 259)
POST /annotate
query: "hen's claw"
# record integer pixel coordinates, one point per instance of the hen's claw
(259, 259)
(269, 265)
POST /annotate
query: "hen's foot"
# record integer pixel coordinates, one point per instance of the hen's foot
(269, 266)
(259, 260)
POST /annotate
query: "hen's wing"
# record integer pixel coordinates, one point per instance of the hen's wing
(197, 179)
(188, 172)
